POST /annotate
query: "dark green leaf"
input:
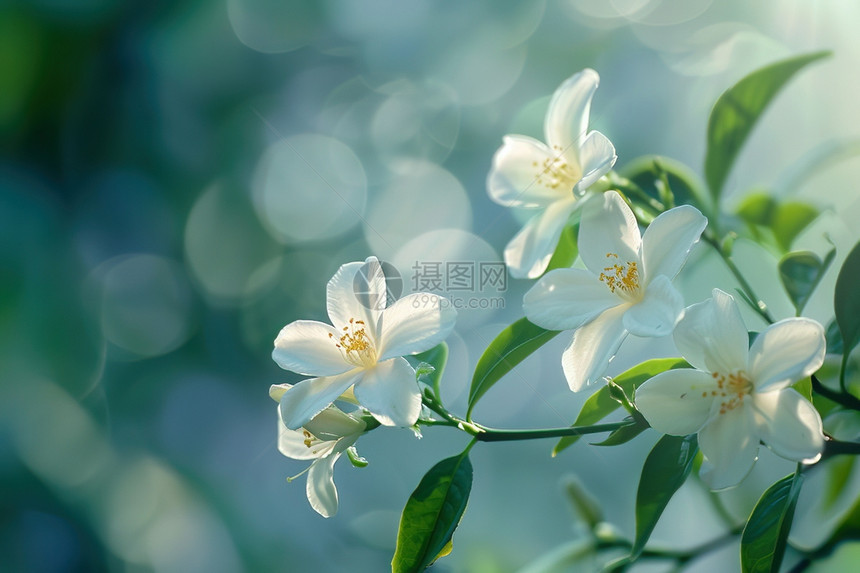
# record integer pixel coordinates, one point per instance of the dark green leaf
(834, 338)
(509, 348)
(601, 403)
(765, 534)
(624, 434)
(737, 111)
(665, 470)
(846, 301)
(789, 220)
(436, 357)
(566, 251)
(432, 514)
(647, 170)
(800, 273)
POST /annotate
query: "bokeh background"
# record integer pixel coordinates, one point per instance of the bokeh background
(179, 180)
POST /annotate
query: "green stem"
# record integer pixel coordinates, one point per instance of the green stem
(841, 398)
(680, 557)
(494, 435)
(835, 448)
(760, 307)
(485, 434)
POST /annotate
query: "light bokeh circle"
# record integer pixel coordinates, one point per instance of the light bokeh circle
(309, 187)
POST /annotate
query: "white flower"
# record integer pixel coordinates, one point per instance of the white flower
(550, 177)
(363, 350)
(323, 439)
(626, 288)
(737, 394)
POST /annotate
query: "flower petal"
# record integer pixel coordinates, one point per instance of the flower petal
(415, 323)
(308, 347)
(307, 398)
(786, 352)
(593, 346)
(390, 392)
(668, 239)
(333, 424)
(320, 489)
(677, 402)
(564, 299)
(658, 311)
(517, 177)
(291, 443)
(357, 291)
(597, 156)
(789, 424)
(730, 444)
(712, 335)
(566, 122)
(277, 390)
(529, 252)
(608, 229)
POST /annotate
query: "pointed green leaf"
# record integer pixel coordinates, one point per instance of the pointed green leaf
(601, 403)
(737, 111)
(766, 532)
(789, 220)
(436, 357)
(800, 272)
(846, 301)
(665, 470)
(509, 348)
(566, 251)
(624, 434)
(432, 514)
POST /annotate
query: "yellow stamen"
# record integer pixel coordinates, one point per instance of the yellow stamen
(733, 388)
(621, 276)
(554, 172)
(355, 345)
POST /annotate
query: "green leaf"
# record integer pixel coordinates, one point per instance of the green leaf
(834, 338)
(846, 301)
(789, 220)
(432, 514)
(436, 357)
(665, 470)
(737, 111)
(624, 434)
(766, 532)
(804, 387)
(757, 209)
(583, 502)
(785, 220)
(509, 348)
(800, 272)
(648, 170)
(601, 403)
(566, 251)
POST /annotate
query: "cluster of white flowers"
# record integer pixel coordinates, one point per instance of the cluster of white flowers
(733, 397)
